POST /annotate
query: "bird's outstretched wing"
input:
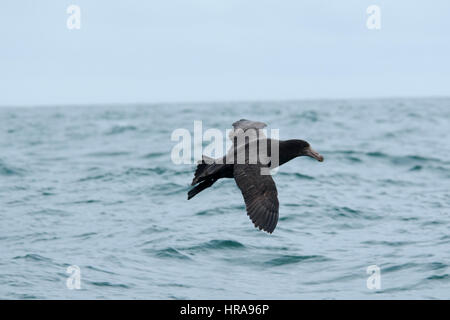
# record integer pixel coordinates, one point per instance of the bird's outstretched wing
(245, 124)
(260, 195)
(246, 130)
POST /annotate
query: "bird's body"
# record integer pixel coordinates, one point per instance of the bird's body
(250, 155)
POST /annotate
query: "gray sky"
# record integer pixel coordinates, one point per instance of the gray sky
(204, 50)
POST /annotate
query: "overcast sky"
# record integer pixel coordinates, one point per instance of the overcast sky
(204, 50)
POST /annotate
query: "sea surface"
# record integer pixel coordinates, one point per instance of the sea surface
(95, 187)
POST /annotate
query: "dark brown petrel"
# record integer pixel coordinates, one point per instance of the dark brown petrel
(259, 190)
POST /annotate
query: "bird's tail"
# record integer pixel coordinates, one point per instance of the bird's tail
(205, 167)
(200, 187)
(204, 176)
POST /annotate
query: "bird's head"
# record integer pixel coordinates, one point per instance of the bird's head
(304, 149)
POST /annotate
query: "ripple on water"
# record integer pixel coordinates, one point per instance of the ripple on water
(399, 267)
(107, 154)
(403, 160)
(290, 259)
(152, 155)
(296, 175)
(118, 129)
(224, 244)
(50, 212)
(169, 188)
(347, 212)
(86, 235)
(7, 170)
(108, 284)
(389, 243)
(145, 171)
(220, 210)
(439, 277)
(287, 218)
(170, 253)
(308, 116)
(99, 270)
(33, 257)
(218, 245)
(104, 177)
(436, 266)
(154, 229)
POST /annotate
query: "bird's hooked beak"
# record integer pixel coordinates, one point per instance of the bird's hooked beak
(313, 154)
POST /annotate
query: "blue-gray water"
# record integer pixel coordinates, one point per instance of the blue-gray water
(95, 187)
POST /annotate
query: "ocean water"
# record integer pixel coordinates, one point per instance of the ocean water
(95, 187)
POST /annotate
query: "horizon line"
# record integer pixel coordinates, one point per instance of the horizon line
(220, 101)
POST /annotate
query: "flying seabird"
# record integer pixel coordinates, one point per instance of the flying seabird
(259, 190)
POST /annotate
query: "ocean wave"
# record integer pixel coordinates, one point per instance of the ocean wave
(169, 253)
(50, 212)
(108, 284)
(118, 129)
(403, 160)
(44, 239)
(399, 267)
(145, 171)
(291, 259)
(154, 229)
(169, 188)
(98, 269)
(108, 154)
(399, 183)
(6, 170)
(436, 266)
(296, 175)
(223, 244)
(306, 116)
(152, 155)
(218, 245)
(439, 277)
(346, 212)
(220, 210)
(104, 177)
(126, 173)
(389, 243)
(287, 218)
(85, 235)
(415, 161)
(33, 257)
